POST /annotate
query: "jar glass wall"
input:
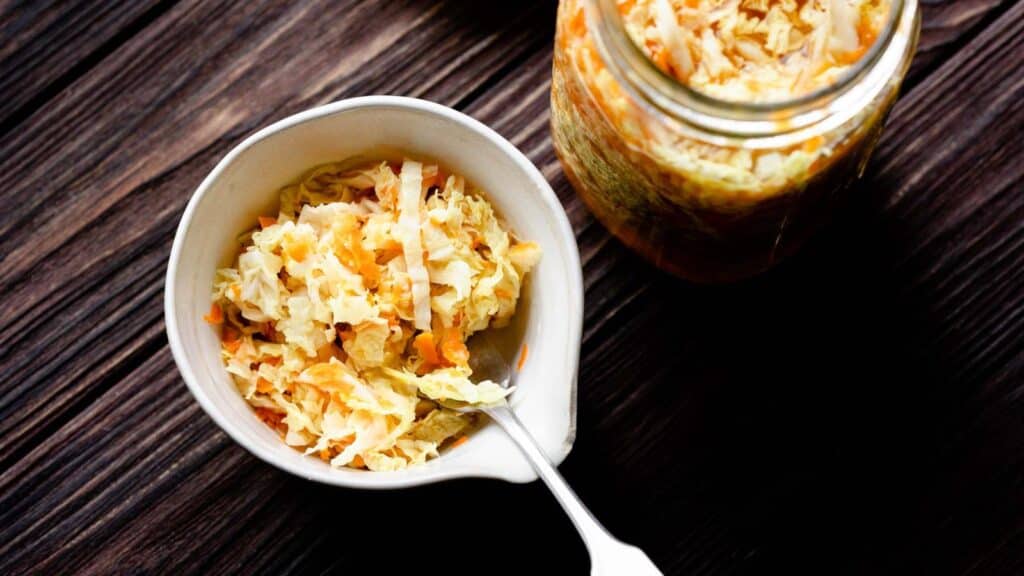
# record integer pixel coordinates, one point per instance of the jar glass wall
(711, 190)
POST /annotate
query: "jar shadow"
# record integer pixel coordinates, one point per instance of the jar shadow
(782, 416)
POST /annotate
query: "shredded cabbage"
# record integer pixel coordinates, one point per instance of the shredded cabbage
(344, 319)
(754, 50)
(411, 197)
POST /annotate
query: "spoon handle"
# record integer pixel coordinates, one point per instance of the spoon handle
(608, 555)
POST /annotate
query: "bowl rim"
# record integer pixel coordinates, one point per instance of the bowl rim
(377, 481)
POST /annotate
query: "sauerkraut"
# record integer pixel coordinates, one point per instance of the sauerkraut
(344, 319)
(754, 50)
(738, 50)
(709, 201)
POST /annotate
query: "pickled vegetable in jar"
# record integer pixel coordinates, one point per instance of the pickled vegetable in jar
(715, 136)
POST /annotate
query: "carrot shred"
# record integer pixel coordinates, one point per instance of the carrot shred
(297, 250)
(357, 462)
(453, 348)
(390, 245)
(269, 417)
(267, 221)
(427, 348)
(216, 315)
(522, 358)
(866, 34)
(460, 441)
(578, 23)
(229, 337)
(348, 247)
(813, 144)
(264, 386)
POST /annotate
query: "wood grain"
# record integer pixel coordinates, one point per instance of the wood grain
(854, 411)
(946, 26)
(47, 45)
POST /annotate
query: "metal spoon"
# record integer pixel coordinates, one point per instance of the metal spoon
(608, 556)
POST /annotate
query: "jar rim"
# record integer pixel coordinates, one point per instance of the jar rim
(667, 93)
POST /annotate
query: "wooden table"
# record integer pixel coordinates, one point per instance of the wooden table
(858, 410)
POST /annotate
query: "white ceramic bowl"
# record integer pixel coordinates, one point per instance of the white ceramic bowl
(245, 184)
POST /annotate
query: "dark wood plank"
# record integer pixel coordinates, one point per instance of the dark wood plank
(47, 45)
(946, 25)
(853, 411)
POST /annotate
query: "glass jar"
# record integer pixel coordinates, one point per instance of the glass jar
(708, 189)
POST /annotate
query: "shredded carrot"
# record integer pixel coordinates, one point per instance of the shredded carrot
(460, 441)
(271, 360)
(325, 454)
(236, 291)
(578, 23)
(269, 417)
(813, 144)
(357, 462)
(348, 247)
(852, 56)
(297, 250)
(387, 250)
(390, 245)
(427, 348)
(229, 337)
(453, 348)
(866, 33)
(216, 315)
(264, 386)
(661, 59)
(522, 357)
(267, 221)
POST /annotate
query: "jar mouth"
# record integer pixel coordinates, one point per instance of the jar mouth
(665, 92)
